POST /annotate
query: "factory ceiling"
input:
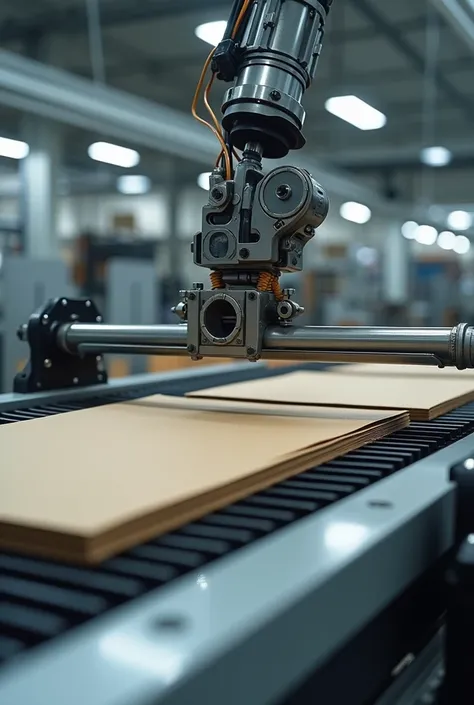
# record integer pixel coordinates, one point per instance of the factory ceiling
(404, 58)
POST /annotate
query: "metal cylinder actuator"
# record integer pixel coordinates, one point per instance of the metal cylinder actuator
(278, 50)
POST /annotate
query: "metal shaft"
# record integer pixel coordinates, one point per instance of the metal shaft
(429, 346)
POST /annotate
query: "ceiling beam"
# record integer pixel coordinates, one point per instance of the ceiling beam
(459, 18)
(54, 94)
(395, 36)
(73, 20)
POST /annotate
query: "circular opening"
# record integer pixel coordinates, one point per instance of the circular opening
(284, 309)
(220, 318)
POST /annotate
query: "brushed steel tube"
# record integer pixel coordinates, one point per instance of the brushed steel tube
(98, 337)
(433, 346)
(446, 346)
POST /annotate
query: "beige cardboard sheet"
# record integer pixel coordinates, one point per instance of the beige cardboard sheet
(85, 485)
(423, 398)
(404, 371)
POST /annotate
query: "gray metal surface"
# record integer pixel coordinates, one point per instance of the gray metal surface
(132, 297)
(27, 284)
(417, 676)
(256, 623)
(23, 401)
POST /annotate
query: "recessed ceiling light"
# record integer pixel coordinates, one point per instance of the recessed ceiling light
(459, 220)
(446, 240)
(113, 154)
(211, 32)
(133, 184)
(436, 156)
(14, 149)
(355, 212)
(462, 245)
(409, 229)
(203, 180)
(356, 111)
(367, 256)
(426, 235)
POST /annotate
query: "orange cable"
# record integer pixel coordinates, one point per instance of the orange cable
(200, 119)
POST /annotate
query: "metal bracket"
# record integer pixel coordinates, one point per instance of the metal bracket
(49, 367)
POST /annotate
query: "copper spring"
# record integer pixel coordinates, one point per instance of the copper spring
(276, 288)
(216, 280)
(265, 281)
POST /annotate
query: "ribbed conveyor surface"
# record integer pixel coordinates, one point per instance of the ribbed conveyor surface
(40, 599)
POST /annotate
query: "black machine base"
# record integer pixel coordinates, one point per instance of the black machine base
(49, 367)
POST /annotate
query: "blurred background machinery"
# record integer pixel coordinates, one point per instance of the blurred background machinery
(100, 160)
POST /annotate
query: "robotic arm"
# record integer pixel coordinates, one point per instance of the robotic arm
(255, 226)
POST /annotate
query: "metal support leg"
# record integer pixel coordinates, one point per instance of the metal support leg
(39, 172)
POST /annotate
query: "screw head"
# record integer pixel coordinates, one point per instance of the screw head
(191, 296)
(98, 319)
(238, 341)
(191, 348)
(251, 351)
(294, 261)
(88, 304)
(275, 95)
(45, 319)
(63, 302)
(217, 194)
(75, 380)
(252, 296)
(283, 192)
(309, 230)
(244, 253)
(47, 363)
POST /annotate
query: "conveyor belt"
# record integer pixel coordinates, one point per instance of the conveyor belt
(41, 599)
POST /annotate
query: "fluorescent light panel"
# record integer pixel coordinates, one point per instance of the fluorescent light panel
(211, 32)
(133, 184)
(436, 156)
(462, 245)
(356, 111)
(446, 240)
(426, 235)
(203, 180)
(355, 212)
(113, 154)
(409, 229)
(13, 149)
(459, 220)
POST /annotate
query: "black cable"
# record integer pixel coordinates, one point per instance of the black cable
(229, 148)
(234, 13)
